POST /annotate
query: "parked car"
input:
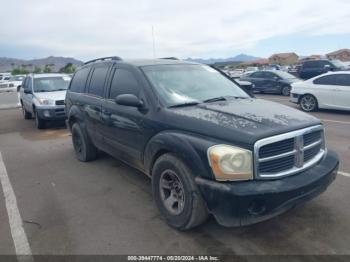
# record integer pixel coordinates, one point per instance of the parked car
(328, 91)
(208, 146)
(237, 73)
(266, 81)
(4, 77)
(12, 84)
(42, 97)
(312, 68)
(251, 69)
(273, 67)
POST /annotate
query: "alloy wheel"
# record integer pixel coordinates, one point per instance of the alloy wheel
(308, 103)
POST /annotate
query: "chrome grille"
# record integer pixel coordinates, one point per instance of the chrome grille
(288, 153)
(59, 102)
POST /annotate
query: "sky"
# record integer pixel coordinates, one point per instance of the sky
(86, 29)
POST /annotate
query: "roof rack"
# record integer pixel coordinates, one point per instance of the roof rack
(103, 59)
(170, 58)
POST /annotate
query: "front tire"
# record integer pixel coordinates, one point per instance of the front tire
(176, 194)
(40, 123)
(285, 91)
(26, 114)
(308, 103)
(84, 149)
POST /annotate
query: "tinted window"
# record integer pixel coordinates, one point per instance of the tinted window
(325, 80)
(124, 82)
(79, 80)
(24, 84)
(268, 75)
(343, 80)
(257, 75)
(97, 81)
(311, 64)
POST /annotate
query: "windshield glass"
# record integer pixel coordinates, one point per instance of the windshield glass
(283, 74)
(179, 84)
(338, 63)
(17, 78)
(49, 84)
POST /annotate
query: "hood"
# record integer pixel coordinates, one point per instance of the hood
(57, 95)
(242, 120)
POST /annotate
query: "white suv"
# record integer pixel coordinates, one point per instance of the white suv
(42, 96)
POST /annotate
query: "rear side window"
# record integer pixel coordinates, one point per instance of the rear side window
(97, 81)
(343, 80)
(79, 80)
(326, 80)
(124, 82)
(310, 64)
(257, 75)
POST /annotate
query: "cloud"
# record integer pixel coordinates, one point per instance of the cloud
(183, 28)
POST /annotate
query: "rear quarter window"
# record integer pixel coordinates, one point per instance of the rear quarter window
(79, 80)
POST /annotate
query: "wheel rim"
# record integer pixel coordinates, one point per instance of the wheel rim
(308, 103)
(78, 144)
(285, 91)
(172, 192)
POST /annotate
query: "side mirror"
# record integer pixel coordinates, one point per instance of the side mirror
(129, 100)
(27, 91)
(327, 68)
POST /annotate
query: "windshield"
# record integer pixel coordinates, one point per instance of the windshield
(49, 84)
(338, 63)
(17, 78)
(284, 75)
(179, 84)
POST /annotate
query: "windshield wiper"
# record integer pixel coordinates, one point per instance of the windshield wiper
(193, 103)
(214, 99)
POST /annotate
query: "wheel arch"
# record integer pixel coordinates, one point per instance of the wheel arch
(190, 149)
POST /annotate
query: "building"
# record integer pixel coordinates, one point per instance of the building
(342, 55)
(284, 59)
(311, 57)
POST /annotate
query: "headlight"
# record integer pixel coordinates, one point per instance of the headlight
(43, 101)
(230, 163)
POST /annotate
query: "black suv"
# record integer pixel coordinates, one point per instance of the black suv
(314, 68)
(208, 146)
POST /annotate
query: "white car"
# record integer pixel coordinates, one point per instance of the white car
(42, 97)
(327, 91)
(12, 84)
(237, 73)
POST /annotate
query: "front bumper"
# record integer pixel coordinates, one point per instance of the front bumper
(249, 202)
(51, 112)
(294, 98)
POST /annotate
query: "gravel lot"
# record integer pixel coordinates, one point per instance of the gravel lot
(105, 207)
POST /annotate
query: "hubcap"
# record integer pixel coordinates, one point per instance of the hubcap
(308, 103)
(172, 192)
(285, 91)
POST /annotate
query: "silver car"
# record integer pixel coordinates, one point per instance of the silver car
(42, 97)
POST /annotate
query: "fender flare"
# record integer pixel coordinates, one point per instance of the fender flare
(191, 149)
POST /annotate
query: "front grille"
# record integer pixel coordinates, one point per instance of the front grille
(59, 102)
(288, 153)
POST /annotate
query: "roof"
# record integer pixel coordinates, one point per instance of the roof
(339, 51)
(284, 55)
(143, 62)
(48, 75)
(148, 62)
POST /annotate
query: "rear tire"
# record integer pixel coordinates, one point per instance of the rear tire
(176, 194)
(40, 123)
(308, 103)
(26, 114)
(84, 149)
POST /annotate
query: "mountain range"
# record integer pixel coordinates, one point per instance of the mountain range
(55, 63)
(237, 58)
